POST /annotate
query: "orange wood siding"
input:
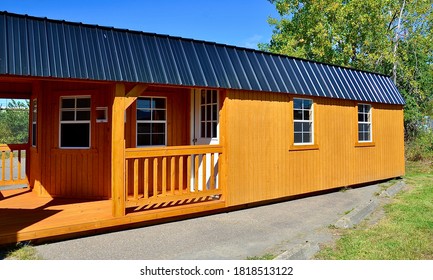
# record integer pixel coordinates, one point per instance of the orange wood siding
(83, 173)
(259, 133)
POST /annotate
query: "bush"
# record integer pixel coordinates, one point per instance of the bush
(421, 147)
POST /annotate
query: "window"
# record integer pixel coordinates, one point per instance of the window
(208, 114)
(151, 121)
(303, 121)
(75, 122)
(34, 122)
(364, 123)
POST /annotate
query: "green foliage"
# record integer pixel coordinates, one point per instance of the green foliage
(387, 36)
(421, 147)
(23, 252)
(14, 122)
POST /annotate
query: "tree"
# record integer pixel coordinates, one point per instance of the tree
(14, 122)
(387, 36)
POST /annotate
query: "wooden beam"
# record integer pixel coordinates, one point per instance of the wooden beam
(118, 151)
(132, 95)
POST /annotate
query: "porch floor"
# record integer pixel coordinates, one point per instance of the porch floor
(25, 216)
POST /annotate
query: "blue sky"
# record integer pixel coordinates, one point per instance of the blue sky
(234, 22)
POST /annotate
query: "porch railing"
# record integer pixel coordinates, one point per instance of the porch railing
(170, 176)
(13, 164)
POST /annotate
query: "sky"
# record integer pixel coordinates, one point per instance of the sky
(234, 22)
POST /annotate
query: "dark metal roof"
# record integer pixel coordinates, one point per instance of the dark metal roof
(42, 47)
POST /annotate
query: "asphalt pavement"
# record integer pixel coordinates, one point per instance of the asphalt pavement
(290, 230)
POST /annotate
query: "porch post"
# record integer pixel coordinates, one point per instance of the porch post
(118, 151)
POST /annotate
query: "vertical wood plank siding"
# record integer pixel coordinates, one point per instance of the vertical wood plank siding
(259, 133)
(80, 173)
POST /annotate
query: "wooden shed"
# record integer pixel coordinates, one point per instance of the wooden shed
(128, 127)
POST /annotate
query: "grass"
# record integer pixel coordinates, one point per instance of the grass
(22, 252)
(406, 231)
(264, 257)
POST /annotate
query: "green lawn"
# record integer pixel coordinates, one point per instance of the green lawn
(406, 231)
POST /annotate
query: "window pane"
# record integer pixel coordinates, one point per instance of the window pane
(298, 137)
(214, 129)
(143, 103)
(307, 137)
(83, 102)
(307, 115)
(297, 103)
(75, 135)
(367, 136)
(208, 130)
(298, 127)
(158, 128)
(68, 103)
(214, 112)
(297, 114)
(214, 96)
(208, 112)
(143, 115)
(158, 115)
(306, 127)
(159, 103)
(208, 97)
(360, 136)
(83, 115)
(158, 139)
(34, 134)
(203, 130)
(203, 113)
(143, 128)
(361, 117)
(307, 104)
(143, 139)
(203, 96)
(68, 115)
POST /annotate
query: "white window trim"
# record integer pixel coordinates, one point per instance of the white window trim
(370, 123)
(303, 121)
(74, 122)
(151, 121)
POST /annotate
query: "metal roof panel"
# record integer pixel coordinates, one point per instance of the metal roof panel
(40, 47)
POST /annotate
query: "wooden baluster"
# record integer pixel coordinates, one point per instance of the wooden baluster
(126, 179)
(181, 174)
(19, 165)
(219, 173)
(11, 165)
(188, 173)
(146, 178)
(155, 177)
(212, 171)
(203, 164)
(164, 175)
(172, 174)
(3, 165)
(196, 165)
(135, 179)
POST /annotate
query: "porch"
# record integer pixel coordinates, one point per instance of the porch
(25, 216)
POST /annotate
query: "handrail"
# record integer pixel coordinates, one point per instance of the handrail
(171, 151)
(10, 147)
